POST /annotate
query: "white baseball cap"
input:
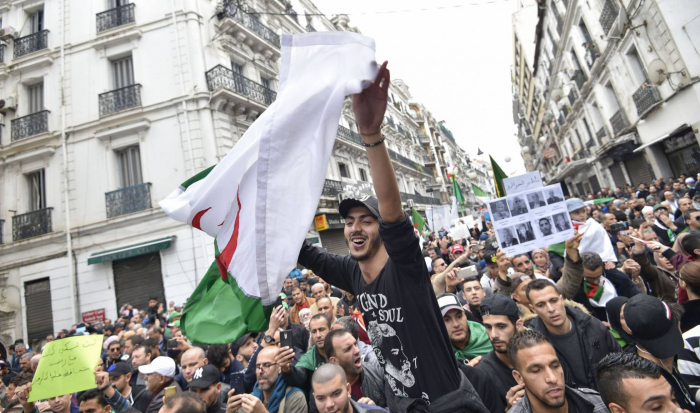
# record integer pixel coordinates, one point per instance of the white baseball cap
(165, 366)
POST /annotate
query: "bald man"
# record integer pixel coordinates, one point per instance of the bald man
(191, 360)
(324, 305)
(318, 291)
(35, 362)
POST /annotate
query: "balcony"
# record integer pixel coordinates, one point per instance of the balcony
(428, 160)
(120, 99)
(618, 121)
(579, 78)
(391, 123)
(332, 188)
(31, 224)
(128, 200)
(118, 16)
(424, 140)
(221, 77)
(397, 157)
(232, 11)
(349, 135)
(32, 43)
(30, 125)
(645, 97)
(608, 15)
(419, 199)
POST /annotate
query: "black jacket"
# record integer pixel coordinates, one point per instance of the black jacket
(662, 234)
(624, 286)
(595, 342)
(300, 336)
(140, 395)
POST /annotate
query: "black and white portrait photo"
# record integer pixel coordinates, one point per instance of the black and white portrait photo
(507, 237)
(525, 232)
(536, 200)
(517, 206)
(500, 210)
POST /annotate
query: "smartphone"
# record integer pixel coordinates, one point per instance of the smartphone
(467, 272)
(237, 383)
(286, 338)
(171, 344)
(169, 391)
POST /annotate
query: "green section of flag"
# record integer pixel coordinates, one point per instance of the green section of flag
(498, 177)
(198, 177)
(457, 191)
(479, 192)
(218, 312)
(603, 200)
(418, 222)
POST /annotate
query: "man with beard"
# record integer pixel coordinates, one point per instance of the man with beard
(140, 357)
(270, 390)
(207, 385)
(501, 320)
(300, 301)
(300, 335)
(332, 392)
(347, 305)
(386, 271)
(469, 339)
(159, 375)
(119, 376)
(243, 348)
(539, 371)
(300, 374)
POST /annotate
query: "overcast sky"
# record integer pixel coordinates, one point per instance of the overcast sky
(456, 62)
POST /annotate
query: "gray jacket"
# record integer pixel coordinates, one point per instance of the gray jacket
(590, 398)
(373, 383)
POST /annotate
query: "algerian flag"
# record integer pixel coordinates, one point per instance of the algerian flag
(498, 177)
(457, 191)
(480, 194)
(259, 200)
(418, 224)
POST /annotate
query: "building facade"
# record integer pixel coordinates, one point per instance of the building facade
(615, 94)
(108, 106)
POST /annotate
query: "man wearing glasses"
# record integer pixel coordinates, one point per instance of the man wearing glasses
(114, 354)
(271, 392)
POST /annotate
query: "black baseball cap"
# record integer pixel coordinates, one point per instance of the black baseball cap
(499, 304)
(119, 368)
(236, 345)
(205, 376)
(490, 257)
(367, 201)
(652, 323)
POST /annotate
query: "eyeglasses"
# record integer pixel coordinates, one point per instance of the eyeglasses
(114, 349)
(264, 367)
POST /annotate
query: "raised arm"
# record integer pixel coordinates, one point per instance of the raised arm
(572, 275)
(440, 281)
(369, 107)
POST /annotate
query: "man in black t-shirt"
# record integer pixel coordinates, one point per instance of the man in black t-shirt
(387, 273)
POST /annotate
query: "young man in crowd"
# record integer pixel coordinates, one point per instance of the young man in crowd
(243, 348)
(469, 339)
(502, 321)
(141, 357)
(207, 385)
(299, 375)
(538, 369)
(300, 301)
(119, 376)
(473, 294)
(580, 340)
(664, 227)
(631, 384)
(349, 323)
(332, 392)
(386, 271)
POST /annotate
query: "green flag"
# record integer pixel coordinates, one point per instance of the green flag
(457, 191)
(482, 196)
(418, 223)
(603, 200)
(498, 177)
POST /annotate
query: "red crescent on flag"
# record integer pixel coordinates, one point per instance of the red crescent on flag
(198, 217)
(224, 258)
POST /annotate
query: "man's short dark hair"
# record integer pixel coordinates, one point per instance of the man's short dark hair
(325, 317)
(93, 394)
(691, 242)
(686, 216)
(328, 341)
(22, 379)
(520, 255)
(152, 298)
(217, 353)
(539, 285)
(296, 287)
(349, 323)
(616, 367)
(136, 340)
(145, 348)
(543, 219)
(151, 342)
(470, 279)
(591, 260)
(185, 402)
(524, 339)
(114, 342)
(432, 263)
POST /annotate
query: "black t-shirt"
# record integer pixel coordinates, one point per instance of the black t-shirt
(400, 311)
(500, 374)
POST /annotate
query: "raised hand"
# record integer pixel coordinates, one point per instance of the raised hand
(370, 104)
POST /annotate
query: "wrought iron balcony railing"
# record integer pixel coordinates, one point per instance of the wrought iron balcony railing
(128, 200)
(2, 222)
(115, 17)
(645, 97)
(222, 77)
(608, 15)
(120, 99)
(348, 135)
(404, 160)
(618, 121)
(419, 199)
(428, 160)
(30, 125)
(31, 224)
(253, 24)
(32, 43)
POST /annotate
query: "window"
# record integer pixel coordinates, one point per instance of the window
(36, 21)
(122, 72)
(130, 167)
(344, 172)
(237, 69)
(363, 175)
(612, 98)
(36, 97)
(37, 190)
(265, 83)
(638, 73)
(588, 130)
(113, 4)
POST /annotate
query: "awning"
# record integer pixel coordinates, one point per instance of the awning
(130, 250)
(675, 132)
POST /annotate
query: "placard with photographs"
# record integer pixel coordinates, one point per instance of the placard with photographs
(530, 220)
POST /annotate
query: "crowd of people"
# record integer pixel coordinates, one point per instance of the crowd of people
(604, 322)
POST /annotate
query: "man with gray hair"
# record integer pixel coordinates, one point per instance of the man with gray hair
(34, 361)
(599, 284)
(331, 392)
(349, 323)
(25, 362)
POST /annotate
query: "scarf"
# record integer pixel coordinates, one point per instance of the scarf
(599, 294)
(669, 231)
(310, 360)
(478, 344)
(278, 393)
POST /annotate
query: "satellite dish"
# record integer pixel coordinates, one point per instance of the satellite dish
(556, 95)
(507, 159)
(657, 72)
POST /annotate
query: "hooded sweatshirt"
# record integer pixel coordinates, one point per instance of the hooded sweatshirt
(478, 344)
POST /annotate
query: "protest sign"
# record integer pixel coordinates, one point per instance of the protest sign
(522, 183)
(532, 219)
(66, 366)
